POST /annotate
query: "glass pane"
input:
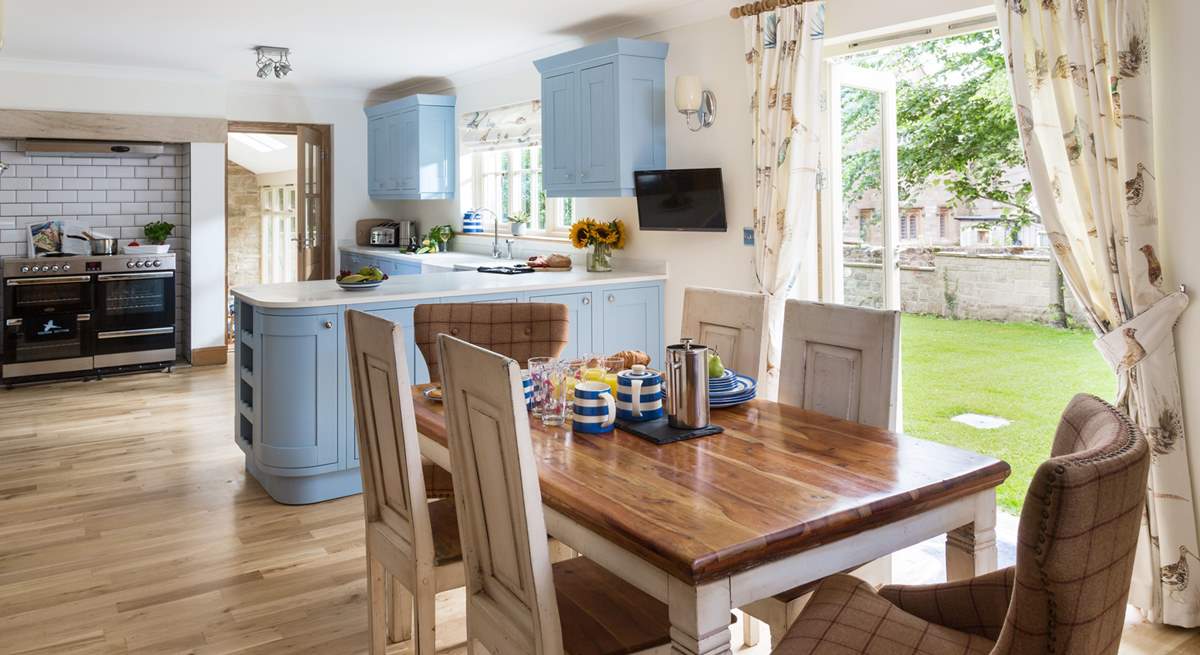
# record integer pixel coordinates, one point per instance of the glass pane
(568, 212)
(862, 198)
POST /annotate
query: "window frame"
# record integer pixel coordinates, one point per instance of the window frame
(492, 174)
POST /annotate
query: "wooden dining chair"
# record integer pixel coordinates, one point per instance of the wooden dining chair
(732, 323)
(842, 361)
(517, 601)
(1076, 544)
(519, 330)
(411, 543)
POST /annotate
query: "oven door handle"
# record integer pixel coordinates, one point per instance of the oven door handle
(120, 334)
(65, 279)
(117, 277)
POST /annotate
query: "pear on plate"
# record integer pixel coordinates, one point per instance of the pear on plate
(716, 368)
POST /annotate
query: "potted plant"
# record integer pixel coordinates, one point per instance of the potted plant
(602, 237)
(157, 234)
(518, 222)
(439, 236)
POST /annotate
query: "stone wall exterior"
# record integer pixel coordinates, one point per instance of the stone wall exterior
(244, 239)
(992, 287)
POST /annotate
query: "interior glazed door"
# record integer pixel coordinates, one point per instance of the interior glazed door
(860, 201)
(310, 212)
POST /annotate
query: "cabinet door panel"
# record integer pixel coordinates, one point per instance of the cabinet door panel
(377, 147)
(580, 306)
(408, 151)
(632, 321)
(390, 159)
(560, 155)
(298, 416)
(598, 124)
(436, 150)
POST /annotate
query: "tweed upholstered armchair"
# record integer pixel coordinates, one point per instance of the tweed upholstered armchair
(1067, 593)
(518, 330)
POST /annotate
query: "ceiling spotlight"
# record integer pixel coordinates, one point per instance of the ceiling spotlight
(272, 59)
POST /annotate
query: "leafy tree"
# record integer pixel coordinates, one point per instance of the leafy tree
(955, 121)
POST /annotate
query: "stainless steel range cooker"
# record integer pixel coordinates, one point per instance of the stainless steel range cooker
(79, 316)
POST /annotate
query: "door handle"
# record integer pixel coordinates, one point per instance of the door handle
(328, 325)
(586, 301)
(612, 298)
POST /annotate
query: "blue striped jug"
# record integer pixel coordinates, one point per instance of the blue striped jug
(639, 394)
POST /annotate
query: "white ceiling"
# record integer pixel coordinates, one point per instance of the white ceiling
(259, 162)
(357, 44)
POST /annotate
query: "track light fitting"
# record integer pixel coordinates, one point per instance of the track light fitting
(272, 59)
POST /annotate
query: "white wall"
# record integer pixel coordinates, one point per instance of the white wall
(207, 255)
(1173, 24)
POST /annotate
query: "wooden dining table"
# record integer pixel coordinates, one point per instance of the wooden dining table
(781, 498)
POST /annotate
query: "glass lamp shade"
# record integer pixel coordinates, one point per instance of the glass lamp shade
(688, 93)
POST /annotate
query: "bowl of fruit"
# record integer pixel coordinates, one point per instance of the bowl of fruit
(367, 277)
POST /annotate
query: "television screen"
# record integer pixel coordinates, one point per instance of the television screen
(685, 199)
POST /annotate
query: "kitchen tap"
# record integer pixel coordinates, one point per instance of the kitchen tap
(495, 231)
(508, 245)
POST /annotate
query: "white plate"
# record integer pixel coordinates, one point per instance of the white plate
(361, 286)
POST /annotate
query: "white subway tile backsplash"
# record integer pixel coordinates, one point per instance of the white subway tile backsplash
(8, 196)
(16, 209)
(120, 221)
(171, 171)
(92, 196)
(171, 196)
(90, 171)
(15, 183)
(150, 171)
(134, 183)
(119, 196)
(76, 183)
(31, 196)
(11, 249)
(162, 207)
(31, 170)
(118, 171)
(106, 183)
(77, 208)
(131, 233)
(106, 208)
(134, 208)
(62, 196)
(14, 158)
(148, 196)
(47, 208)
(147, 219)
(62, 171)
(47, 183)
(12, 235)
(45, 160)
(162, 184)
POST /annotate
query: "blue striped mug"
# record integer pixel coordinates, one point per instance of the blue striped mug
(639, 394)
(594, 410)
(527, 386)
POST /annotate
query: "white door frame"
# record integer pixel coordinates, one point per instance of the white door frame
(839, 76)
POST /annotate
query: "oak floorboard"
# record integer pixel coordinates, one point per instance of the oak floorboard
(128, 525)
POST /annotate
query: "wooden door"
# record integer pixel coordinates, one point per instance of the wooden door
(311, 205)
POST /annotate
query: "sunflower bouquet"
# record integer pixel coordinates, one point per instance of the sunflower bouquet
(602, 237)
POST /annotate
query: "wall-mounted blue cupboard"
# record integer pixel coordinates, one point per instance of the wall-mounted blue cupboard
(295, 419)
(412, 152)
(603, 117)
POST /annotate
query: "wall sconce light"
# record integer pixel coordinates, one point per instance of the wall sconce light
(691, 100)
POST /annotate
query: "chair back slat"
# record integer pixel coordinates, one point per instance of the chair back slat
(729, 322)
(386, 431)
(841, 361)
(511, 604)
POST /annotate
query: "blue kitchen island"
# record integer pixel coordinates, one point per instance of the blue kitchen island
(294, 418)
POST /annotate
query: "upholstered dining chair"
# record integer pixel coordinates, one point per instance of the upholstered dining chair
(843, 361)
(519, 330)
(732, 323)
(517, 601)
(1066, 595)
(411, 543)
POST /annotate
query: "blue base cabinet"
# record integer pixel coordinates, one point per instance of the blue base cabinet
(294, 417)
(352, 261)
(411, 149)
(603, 117)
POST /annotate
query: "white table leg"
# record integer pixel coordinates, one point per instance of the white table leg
(971, 549)
(699, 618)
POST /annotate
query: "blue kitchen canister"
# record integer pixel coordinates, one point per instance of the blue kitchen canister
(472, 223)
(639, 394)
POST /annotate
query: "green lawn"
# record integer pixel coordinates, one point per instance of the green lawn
(1023, 372)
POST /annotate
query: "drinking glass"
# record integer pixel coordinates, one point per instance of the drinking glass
(612, 366)
(539, 373)
(560, 384)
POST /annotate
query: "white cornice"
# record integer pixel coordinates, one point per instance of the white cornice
(76, 69)
(687, 14)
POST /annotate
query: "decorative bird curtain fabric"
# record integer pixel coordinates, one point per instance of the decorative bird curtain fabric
(783, 60)
(1081, 83)
(511, 126)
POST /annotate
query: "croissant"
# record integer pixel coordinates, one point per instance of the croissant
(632, 357)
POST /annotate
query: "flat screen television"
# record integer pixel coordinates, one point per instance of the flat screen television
(690, 199)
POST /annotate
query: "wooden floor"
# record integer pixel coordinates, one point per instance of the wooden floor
(127, 525)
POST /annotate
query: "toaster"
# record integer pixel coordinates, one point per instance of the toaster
(396, 234)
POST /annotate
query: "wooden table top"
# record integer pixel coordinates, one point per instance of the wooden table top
(778, 481)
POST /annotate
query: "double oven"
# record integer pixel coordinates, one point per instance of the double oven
(77, 316)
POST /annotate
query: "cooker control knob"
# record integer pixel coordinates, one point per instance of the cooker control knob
(54, 268)
(157, 263)
(139, 263)
(66, 267)
(129, 264)
(25, 269)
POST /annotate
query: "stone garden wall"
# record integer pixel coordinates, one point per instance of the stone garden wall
(986, 286)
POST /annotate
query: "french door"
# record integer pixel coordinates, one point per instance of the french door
(310, 216)
(860, 199)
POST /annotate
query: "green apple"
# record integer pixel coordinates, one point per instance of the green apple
(715, 367)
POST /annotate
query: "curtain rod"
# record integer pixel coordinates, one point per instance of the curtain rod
(762, 6)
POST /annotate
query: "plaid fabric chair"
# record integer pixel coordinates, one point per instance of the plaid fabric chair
(518, 330)
(1067, 593)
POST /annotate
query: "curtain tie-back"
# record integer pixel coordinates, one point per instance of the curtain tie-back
(1131, 342)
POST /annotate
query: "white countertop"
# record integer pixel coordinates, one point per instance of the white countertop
(326, 293)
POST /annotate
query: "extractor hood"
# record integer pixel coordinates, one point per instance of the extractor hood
(77, 148)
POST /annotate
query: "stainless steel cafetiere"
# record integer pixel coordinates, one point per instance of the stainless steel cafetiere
(687, 385)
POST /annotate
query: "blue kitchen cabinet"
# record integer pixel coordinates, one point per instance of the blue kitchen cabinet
(631, 319)
(411, 151)
(296, 406)
(603, 117)
(352, 261)
(579, 306)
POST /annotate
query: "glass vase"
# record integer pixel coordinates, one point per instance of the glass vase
(599, 259)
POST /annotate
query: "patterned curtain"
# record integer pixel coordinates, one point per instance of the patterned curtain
(1081, 82)
(511, 126)
(783, 60)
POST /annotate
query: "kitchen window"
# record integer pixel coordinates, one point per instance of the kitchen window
(502, 168)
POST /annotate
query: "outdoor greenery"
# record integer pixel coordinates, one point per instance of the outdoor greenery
(1023, 372)
(955, 122)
